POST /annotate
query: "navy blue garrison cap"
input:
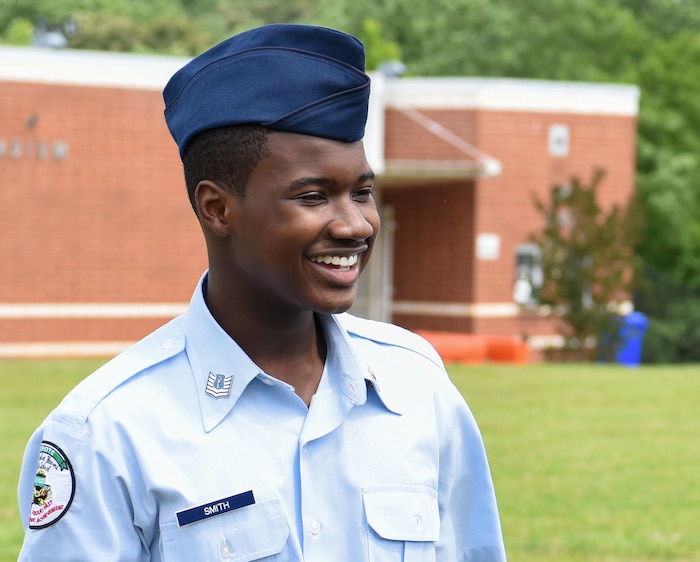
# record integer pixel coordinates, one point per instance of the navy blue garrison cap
(286, 77)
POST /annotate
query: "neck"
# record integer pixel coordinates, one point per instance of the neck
(291, 349)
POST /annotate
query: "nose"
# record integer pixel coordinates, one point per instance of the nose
(354, 221)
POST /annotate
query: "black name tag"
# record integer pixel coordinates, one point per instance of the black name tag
(200, 512)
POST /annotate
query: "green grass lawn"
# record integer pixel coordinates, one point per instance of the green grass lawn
(29, 390)
(593, 463)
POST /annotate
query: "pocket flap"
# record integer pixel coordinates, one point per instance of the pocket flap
(403, 512)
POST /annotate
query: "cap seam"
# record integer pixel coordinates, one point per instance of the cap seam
(349, 68)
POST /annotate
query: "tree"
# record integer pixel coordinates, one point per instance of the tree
(665, 18)
(668, 163)
(588, 260)
(379, 49)
(552, 39)
(18, 32)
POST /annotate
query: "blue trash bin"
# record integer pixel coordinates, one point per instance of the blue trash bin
(631, 333)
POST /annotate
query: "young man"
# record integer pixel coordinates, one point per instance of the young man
(266, 424)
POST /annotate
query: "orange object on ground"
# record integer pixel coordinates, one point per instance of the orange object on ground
(456, 347)
(507, 349)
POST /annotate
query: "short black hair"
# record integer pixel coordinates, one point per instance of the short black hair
(225, 155)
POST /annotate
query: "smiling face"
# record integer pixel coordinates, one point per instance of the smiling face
(303, 231)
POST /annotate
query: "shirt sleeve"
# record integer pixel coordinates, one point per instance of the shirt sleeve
(74, 500)
(470, 524)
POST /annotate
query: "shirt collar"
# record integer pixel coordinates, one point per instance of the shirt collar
(354, 374)
(222, 370)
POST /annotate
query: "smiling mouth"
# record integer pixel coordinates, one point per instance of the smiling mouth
(342, 262)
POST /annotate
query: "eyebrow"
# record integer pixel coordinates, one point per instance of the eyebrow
(325, 180)
(367, 176)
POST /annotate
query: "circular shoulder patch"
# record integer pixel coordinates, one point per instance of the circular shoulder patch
(54, 487)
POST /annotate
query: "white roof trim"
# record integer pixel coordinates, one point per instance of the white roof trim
(87, 68)
(91, 310)
(457, 309)
(152, 72)
(506, 94)
(61, 349)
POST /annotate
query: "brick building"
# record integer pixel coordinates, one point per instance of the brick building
(99, 245)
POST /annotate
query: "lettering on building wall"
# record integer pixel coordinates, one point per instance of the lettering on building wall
(29, 149)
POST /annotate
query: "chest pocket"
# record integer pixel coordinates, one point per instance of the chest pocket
(254, 532)
(404, 523)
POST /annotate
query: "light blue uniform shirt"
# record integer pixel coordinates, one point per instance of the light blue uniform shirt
(181, 449)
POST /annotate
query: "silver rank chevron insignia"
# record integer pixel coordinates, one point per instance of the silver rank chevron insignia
(219, 386)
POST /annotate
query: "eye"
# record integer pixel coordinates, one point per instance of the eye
(364, 194)
(312, 198)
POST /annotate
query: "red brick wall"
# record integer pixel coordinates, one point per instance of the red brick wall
(407, 140)
(109, 223)
(434, 258)
(504, 204)
(62, 330)
(437, 323)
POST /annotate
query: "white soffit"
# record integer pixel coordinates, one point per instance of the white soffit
(506, 94)
(87, 68)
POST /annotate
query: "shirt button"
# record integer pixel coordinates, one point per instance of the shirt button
(267, 381)
(225, 550)
(315, 528)
(167, 344)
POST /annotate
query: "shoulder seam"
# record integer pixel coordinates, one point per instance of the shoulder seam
(125, 366)
(378, 332)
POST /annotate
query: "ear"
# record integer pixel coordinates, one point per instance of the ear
(213, 207)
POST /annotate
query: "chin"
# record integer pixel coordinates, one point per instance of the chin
(332, 309)
(335, 306)
(341, 309)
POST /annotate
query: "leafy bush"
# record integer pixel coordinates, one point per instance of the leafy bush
(588, 261)
(673, 310)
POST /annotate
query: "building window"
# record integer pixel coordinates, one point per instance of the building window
(559, 140)
(528, 274)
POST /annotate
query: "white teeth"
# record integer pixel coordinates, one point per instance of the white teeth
(336, 260)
